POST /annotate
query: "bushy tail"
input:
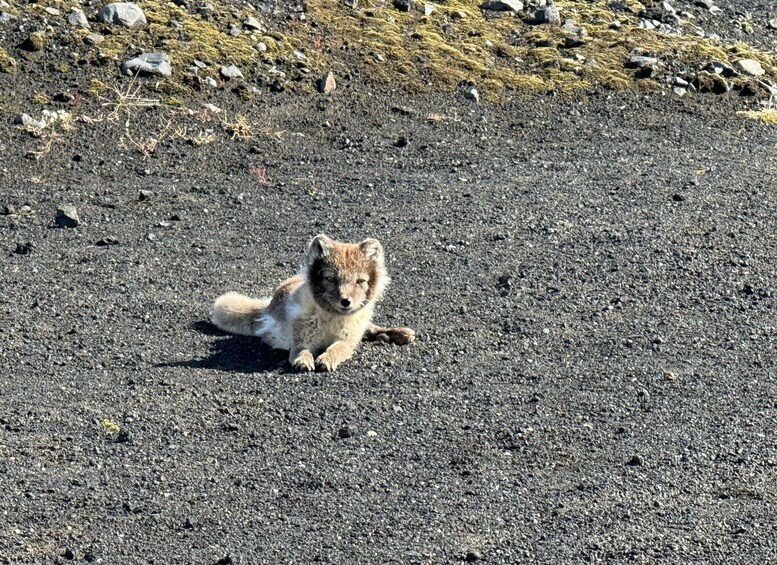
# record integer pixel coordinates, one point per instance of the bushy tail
(237, 314)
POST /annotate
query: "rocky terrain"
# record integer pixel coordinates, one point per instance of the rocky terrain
(586, 250)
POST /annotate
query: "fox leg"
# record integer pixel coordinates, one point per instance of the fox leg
(397, 336)
(300, 355)
(339, 351)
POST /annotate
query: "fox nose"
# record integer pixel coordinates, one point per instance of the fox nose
(345, 302)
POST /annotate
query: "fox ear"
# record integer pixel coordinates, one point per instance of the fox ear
(372, 249)
(320, 246)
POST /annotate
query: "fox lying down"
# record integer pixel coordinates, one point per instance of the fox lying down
(322, 314)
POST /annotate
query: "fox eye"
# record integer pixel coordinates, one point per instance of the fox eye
(330, 278)
(361, 282)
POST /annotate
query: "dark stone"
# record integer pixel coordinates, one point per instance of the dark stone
(24, 248)
(635, 461)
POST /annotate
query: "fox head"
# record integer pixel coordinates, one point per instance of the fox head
(344, 277)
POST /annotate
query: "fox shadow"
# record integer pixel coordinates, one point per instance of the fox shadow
(234, 353)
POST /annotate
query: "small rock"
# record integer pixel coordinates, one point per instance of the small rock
(505, 284)
(706, 4)
(261, 47)
(231, 72)
(372, 433)
(24, 248)
(549, 15)
(345, 432)
(77, 18)
(472, 94)
(145, 195)
(635, 461)
(351, 3)
(148, 64)
(772, 24)
(124, 14)
(678, 198)
(68, 554)
(234, 31)
(429, 9)
(67, 216)
(27, 121)
(210, 81)
(473, 555)
(646, 24)
(615, 24)
(253, 23)
(679, 90)
(750, 67)
(51, 11)
(327, 84)
(640, 62)
(36, 41)
(502, 5)
(106, 241)
(94, 39)
(402, 5)
(401, 141)
(670, 375)
(7, 210)
(6, 18)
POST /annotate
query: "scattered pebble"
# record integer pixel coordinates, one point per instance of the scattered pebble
(253, 23)
(402, 5)
(145, 195)
(67, 216)
(750, 67)
(106, 241)
(77, 18)
(327, 84)
(351, 3)
(149, 64)
(473, 555)
(125, 14)
(231, 72)
(472, 94)
(502, 5)
(635, 461)
(549, 15)
(345, 432)
(94, 39)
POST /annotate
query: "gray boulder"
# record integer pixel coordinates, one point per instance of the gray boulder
(124, 14)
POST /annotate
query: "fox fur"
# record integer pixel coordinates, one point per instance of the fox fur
(322, 314)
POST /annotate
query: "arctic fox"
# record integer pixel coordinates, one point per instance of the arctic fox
(325, 310)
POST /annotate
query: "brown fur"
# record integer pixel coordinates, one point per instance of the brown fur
(325, 310)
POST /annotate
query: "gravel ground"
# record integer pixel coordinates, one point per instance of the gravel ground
(592, 284)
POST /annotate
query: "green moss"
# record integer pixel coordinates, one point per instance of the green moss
(7, 63)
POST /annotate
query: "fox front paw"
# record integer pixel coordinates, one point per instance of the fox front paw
(303, 362)
(325, 363)
(397, 336)
(401, 336)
